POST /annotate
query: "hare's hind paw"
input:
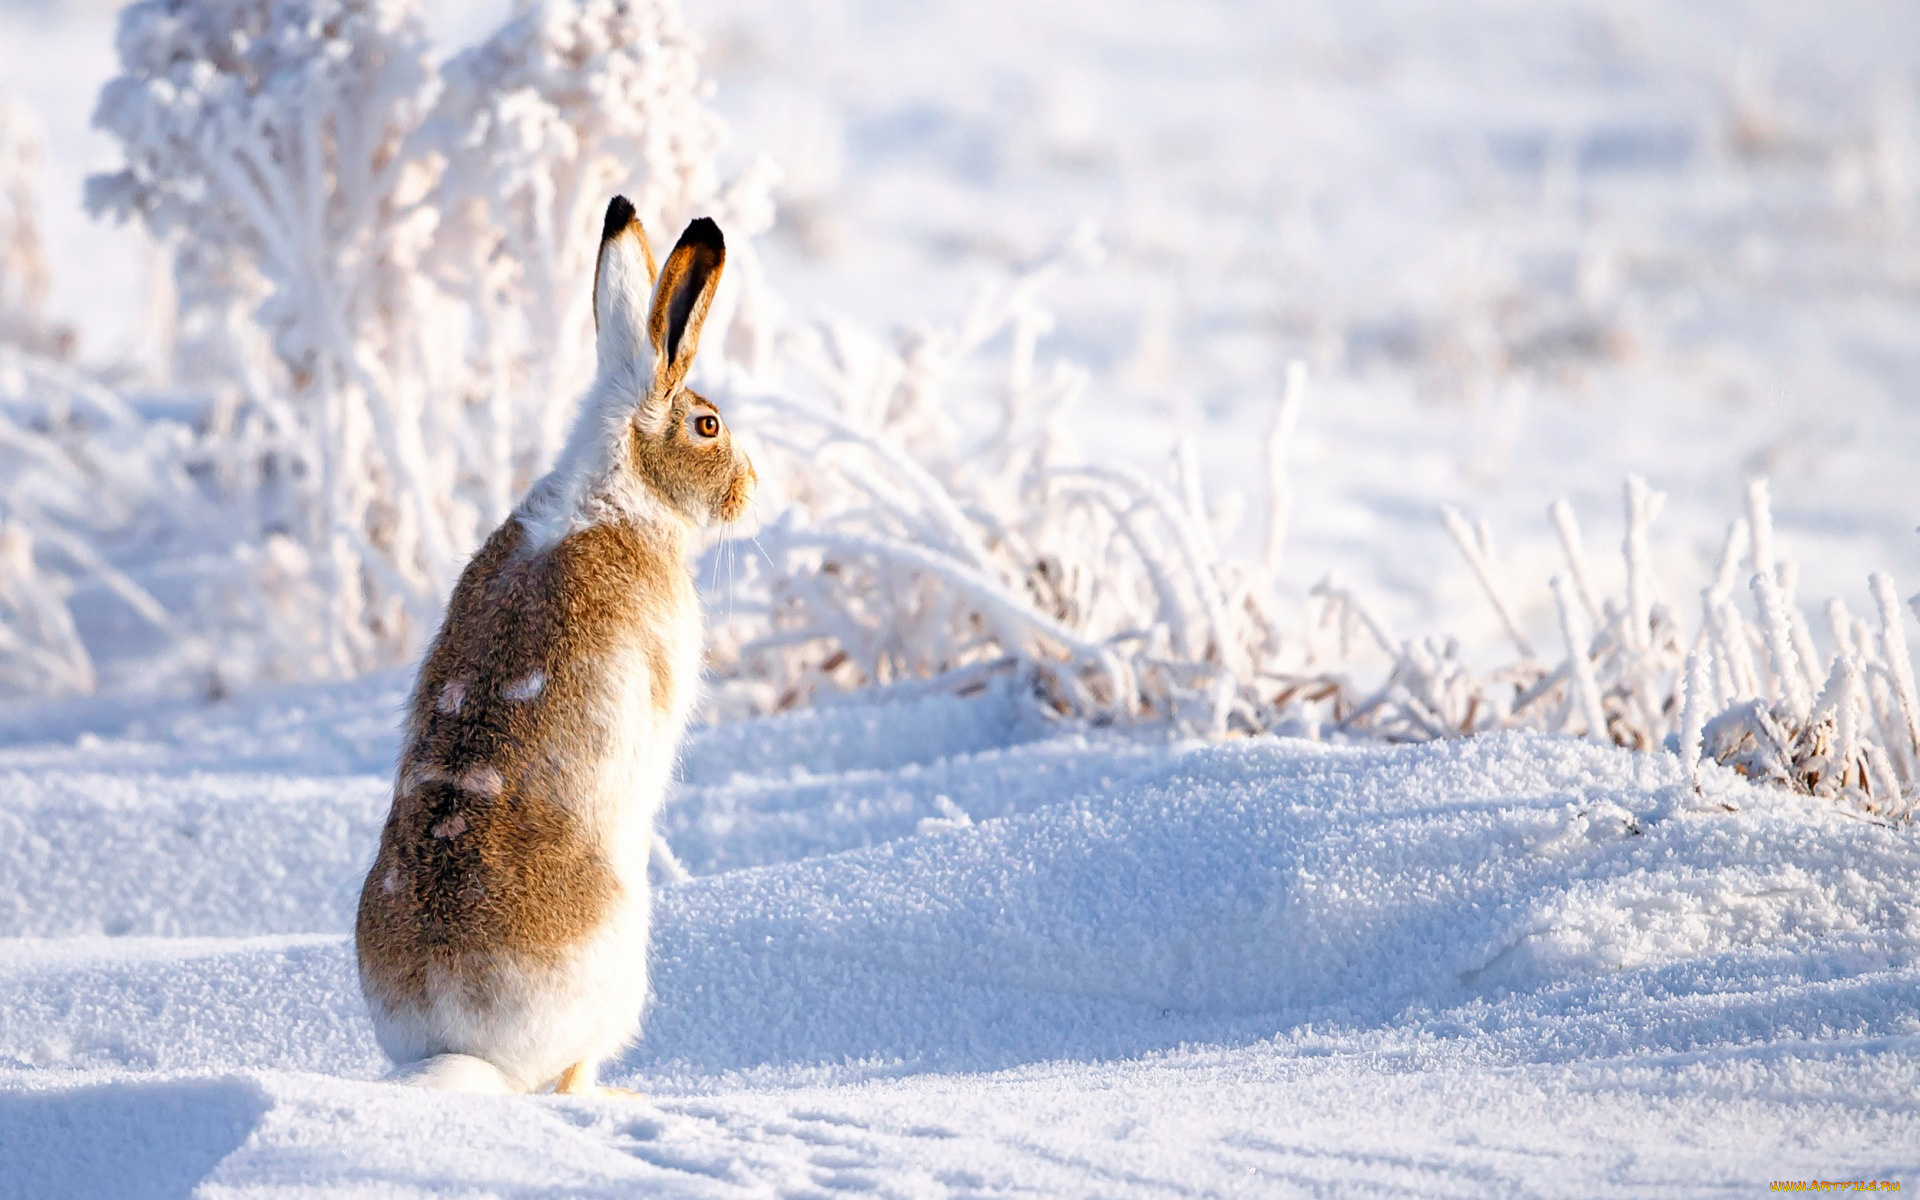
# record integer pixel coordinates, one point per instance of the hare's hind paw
(578, 1080)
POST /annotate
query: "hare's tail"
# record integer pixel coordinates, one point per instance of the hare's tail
(453, 1073)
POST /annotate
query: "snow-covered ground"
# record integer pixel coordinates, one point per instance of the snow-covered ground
(932, 948)
(938, 948)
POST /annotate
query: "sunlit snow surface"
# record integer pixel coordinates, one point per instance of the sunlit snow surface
(936, 948)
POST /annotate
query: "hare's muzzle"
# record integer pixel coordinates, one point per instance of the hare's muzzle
(739, 490)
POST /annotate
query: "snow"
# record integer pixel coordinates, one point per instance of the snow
(933, 948)
(937, 946)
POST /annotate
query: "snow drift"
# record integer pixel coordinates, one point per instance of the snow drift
(927, 891)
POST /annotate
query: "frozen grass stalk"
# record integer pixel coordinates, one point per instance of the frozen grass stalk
(1797, 626)
(1893, 645)
(1472, 550)
(1789, 681)
(1845, 686)
(1840, 625)
(1579, 638)
(1694, 719)
(1760, 523)
(1574, 548)
(1727, 575)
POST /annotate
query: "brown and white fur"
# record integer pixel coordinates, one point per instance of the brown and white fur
(502, 932)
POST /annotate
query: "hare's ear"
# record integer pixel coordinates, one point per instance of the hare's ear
(680, 304)
(623, 278)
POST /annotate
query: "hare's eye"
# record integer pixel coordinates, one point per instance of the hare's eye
(707, 425)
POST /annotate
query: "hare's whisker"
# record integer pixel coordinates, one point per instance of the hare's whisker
(729, 579)
(713, 568)
(754, 538)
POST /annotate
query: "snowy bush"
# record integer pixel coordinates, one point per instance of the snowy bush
(24, 275)
(1749, 692)
(79, 469)
(267, 140)
(564, 106)
(81, 474)
(904, 554)
(410, 248)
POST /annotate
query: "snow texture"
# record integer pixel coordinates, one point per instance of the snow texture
(931, 949)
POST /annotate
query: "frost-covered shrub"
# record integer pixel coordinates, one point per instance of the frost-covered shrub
(266, 138)
(24, 274)
(380, 270)
(902, 553)
(78, 468)
(82, 476)
(1749, 691)
(567, 104)
(40, 651)
(903, 550)
(897, 551)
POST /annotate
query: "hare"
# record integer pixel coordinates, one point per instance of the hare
(502, 931)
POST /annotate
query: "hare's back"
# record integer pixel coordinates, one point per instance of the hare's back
(548, 658)
(530, 713)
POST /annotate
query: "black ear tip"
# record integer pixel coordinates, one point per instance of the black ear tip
(702, 231)
(620, 214)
